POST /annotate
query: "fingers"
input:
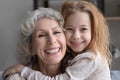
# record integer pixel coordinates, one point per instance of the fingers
(11, 70)
(5, 74)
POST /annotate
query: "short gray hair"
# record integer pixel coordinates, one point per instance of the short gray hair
(28, 27)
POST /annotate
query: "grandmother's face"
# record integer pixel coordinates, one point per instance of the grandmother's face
(48, 41)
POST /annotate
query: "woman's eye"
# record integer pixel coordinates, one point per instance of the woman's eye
(57, 32)
(41, 35)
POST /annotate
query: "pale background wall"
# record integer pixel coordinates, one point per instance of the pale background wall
(12, 13)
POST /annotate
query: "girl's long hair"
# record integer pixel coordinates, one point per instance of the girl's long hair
(100, 34)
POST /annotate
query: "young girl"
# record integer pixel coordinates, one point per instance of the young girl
(88, 41)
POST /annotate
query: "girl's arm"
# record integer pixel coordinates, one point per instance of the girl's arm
(80, 68)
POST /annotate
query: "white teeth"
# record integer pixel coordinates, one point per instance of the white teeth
(52, 51)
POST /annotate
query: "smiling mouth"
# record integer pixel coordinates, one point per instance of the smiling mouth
(53, 51)
(77, 43)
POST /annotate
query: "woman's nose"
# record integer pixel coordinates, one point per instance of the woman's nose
(52, 39)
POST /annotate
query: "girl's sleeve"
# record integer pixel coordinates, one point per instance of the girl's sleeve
(30, 74)
(15, 76)
(80, 68)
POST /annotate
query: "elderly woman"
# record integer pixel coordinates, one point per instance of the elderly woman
(44, 43)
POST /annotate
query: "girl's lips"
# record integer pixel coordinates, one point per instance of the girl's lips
(77, 43)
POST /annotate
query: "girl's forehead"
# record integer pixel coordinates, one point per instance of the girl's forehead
(80, 18)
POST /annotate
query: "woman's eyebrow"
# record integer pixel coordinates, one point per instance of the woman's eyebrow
(39, 30)
(68, 25)
(57, 27)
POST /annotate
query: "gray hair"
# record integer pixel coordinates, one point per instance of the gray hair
(28, 27)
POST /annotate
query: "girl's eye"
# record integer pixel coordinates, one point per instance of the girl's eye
(68, 29)
(84, 29)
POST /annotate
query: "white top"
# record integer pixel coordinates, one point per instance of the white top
(84, 66)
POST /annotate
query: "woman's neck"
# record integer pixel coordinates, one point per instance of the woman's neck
(50, 70)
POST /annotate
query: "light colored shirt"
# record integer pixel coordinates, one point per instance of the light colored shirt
(85, 66)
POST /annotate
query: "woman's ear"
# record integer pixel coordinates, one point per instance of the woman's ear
(31, 49)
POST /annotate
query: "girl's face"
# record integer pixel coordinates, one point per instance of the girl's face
(78, 31)
(48, 42)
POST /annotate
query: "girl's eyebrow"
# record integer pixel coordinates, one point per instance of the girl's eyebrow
(68, 25)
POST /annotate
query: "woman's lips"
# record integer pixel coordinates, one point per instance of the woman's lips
(52, 51)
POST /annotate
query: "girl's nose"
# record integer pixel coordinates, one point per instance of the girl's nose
(76, 35)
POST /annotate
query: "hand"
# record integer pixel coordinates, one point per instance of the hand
(12, 69)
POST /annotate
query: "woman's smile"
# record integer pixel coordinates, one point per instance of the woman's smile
(52, 50)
